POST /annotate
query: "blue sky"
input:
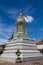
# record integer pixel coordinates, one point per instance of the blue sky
(32, 11)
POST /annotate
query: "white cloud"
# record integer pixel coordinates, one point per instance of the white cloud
(5, 33)
(34, 39)
(41, 29)
(28, 18)
(10, 11)
(3, 41)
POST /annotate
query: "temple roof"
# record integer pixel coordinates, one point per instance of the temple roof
(40, 43)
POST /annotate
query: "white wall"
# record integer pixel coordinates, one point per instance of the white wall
(40, 46)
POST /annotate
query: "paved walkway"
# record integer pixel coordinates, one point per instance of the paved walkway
(35, 62)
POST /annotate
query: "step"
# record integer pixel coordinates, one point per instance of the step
(20, 47)
(26, 44)
(22, 51)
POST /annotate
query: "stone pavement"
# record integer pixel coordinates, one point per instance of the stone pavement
(34, 62)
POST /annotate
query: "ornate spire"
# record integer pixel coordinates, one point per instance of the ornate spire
(20, 18)
(20, 12)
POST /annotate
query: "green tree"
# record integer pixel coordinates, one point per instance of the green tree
(11, 38)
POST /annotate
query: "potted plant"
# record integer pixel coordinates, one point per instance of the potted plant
(18, 59)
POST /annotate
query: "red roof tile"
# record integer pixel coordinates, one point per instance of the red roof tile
(40, 43)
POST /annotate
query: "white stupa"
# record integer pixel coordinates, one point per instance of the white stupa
(21, 41)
